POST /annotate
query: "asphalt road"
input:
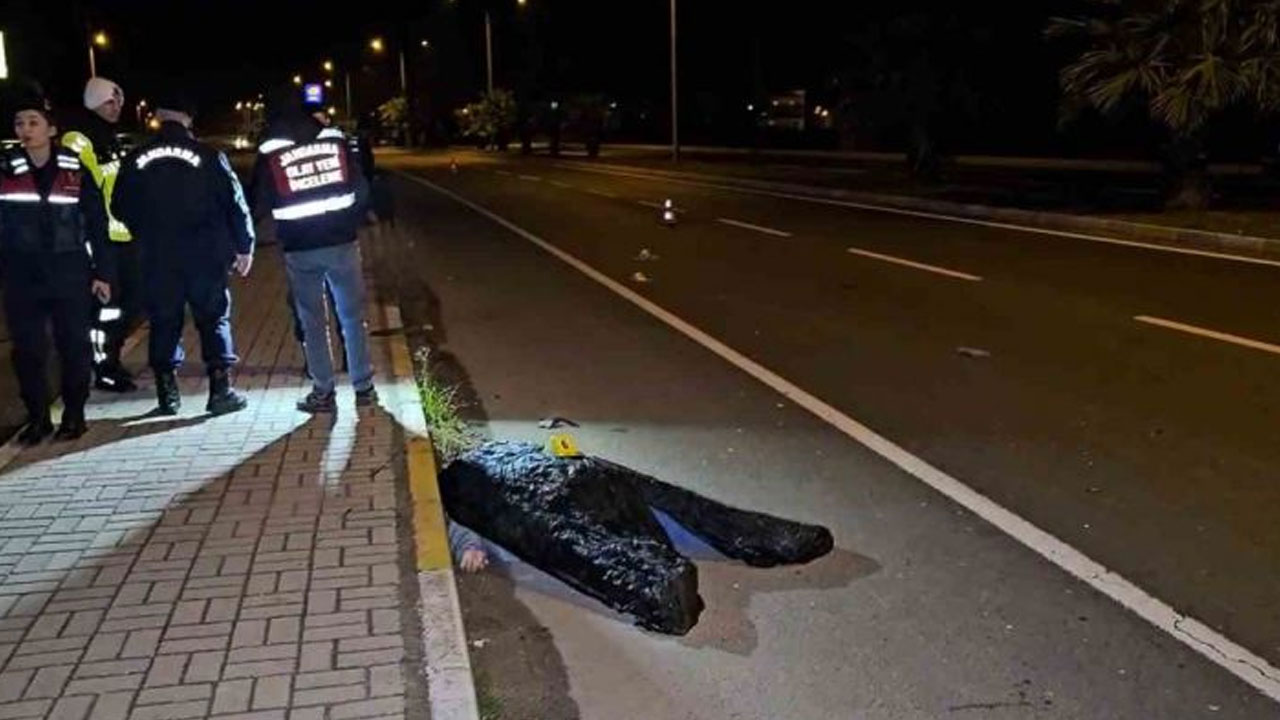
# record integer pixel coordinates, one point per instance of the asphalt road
(1011, 361)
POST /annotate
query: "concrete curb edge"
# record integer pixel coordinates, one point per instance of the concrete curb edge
(1157, 234)
(451, 693)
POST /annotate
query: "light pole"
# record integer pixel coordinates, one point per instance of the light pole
(488, 48)
(99, 39)
(378, 46)
(137, 111)
(488, 43)
(675, 100)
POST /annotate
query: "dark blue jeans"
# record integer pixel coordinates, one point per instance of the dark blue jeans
(169, 291)
(340, 268)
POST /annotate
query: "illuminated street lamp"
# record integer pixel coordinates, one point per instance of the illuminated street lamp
(328, 66)
(378, 46)
(297, 79)
(101, 40)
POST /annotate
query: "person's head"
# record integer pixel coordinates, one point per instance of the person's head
(104, 98)
(34, 124)
(177, 116)
(175, 105)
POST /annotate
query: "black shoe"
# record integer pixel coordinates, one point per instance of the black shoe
(117, 380)
(35, 432)
(170, 400)
(318, 402)
(222, 399)
(72, 428)
(367, 398)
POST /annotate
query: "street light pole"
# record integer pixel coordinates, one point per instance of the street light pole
(350, 113)
(675, 101)
(93, 63)
(404, 85)
(488, 48)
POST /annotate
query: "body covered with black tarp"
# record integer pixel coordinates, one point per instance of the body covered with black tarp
(589, 523)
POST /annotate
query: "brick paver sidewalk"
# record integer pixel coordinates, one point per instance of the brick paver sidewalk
(250, 566)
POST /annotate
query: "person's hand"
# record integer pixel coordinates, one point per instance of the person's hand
(473, 561)
(101, 290)
(243, 264)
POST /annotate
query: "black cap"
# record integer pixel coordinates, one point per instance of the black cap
(285, 101)
(175, 100)
(31, 97)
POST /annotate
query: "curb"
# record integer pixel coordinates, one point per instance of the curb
(1157, 234)
(451, 693)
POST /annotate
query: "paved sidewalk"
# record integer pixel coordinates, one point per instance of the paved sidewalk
(251, 566)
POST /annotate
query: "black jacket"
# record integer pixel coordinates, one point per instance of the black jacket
(182, 201)
(56, 217)
(275, 194)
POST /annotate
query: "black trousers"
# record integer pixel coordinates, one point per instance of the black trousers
(42, 291)
(125, 308)
(170, 289)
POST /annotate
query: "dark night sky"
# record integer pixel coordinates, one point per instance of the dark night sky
(731, 50)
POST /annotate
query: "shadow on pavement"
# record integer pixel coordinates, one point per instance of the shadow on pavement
(167, 554)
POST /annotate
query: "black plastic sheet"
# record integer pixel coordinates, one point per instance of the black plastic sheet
(580, 520)
(588, 522)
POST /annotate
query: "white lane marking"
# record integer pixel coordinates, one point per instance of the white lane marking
(602, 193)
(559, 184)
(503, 172)
(933, 216)
(658, 206)
(531, 178)
(1214, 334)
(1184, 628)
(913, 264)
(757, 228)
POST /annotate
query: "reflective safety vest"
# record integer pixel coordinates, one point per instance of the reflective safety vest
(104, 174)
(312, 178)
(26, 227)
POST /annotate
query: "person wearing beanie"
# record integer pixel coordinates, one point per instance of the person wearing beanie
(95, 142)
(187, 212)
(53, 259)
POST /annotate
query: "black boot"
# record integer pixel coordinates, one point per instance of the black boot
(170, 400)
(38, 428)
(222, 399)
(73, 426)
(113, 378)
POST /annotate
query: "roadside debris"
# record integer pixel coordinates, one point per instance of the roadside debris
(973, 352)
(646, 255)
(640, 277)
(555, 421)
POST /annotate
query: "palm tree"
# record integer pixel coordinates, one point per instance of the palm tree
(1184, 62)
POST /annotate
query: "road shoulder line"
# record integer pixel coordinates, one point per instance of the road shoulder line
(1214, 646)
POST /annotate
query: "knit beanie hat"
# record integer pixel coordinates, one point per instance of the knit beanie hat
(99, 90)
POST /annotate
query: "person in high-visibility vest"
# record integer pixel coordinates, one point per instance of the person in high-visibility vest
(96, 143)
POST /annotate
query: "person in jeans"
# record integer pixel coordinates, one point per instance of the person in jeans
(306, 177)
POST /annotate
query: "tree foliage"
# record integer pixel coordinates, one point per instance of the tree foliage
(1184, 61)
(491, 118)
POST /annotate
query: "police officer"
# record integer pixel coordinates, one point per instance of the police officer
(95, 142)
(184, 204)
(306, 178)
(50, 216)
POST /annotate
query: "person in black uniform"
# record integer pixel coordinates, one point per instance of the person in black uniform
(50, 213)
(186, 209)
